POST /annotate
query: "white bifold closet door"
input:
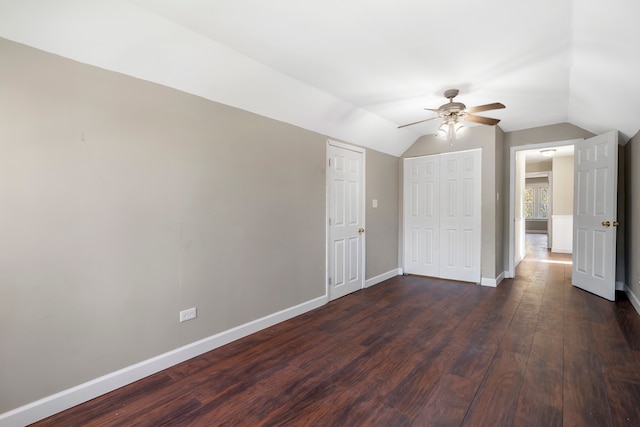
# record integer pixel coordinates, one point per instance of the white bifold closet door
(442, 215)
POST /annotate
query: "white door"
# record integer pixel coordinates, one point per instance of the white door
(460, 202)
(594, 211)
(421, 215)
(345, 175)
(442, 203)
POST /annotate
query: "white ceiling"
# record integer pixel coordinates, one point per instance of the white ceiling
(356, 69)
(535, 156)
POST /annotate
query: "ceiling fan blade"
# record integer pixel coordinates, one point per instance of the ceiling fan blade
(481, 120)
(437, 110)
(486, 107)
(415, 123)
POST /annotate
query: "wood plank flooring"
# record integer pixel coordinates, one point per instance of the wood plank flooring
(411, 351)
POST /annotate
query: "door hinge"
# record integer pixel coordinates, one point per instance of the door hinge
(329, 221)
(329, 280)
(329, 162)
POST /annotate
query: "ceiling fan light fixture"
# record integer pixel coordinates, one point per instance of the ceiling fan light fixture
(443, 131)
(549, 152)
(450, 130)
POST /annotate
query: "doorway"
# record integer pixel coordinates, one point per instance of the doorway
(593, 207)
(536, 171)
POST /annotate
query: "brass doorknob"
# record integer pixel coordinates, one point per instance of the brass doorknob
(616, 223)
(606, 223)
(360, 230)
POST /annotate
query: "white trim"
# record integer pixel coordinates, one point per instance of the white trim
(632, 297)
(493, 283)
(561, 251)
(81, 393)
(382, 277)
(544, 174)
(620, 286)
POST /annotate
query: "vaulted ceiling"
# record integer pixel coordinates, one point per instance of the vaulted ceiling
(356, 69)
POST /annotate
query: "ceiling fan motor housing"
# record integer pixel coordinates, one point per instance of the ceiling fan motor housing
(453, 107)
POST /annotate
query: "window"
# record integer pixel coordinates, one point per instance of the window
(536, 201)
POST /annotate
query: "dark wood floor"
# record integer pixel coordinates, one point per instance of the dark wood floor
(411, 351)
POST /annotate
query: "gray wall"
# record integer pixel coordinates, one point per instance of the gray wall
(124, 202)
(382, 222)
(485, 137)
(631, 229)
(551, 133)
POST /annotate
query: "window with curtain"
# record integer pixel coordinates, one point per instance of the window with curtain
(536, 201)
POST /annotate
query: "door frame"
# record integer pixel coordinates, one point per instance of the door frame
(511, 267)
(363, 203)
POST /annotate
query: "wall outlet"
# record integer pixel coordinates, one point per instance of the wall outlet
(188, 314)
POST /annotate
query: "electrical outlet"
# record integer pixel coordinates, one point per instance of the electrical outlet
(188, 314)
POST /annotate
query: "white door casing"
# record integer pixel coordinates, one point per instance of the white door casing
(442, 215)
(594, 214)
(345, 208)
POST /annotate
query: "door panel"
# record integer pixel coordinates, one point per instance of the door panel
(442, 215)
(421, 236)
(595, 192)
(460, 220)
(345, 175)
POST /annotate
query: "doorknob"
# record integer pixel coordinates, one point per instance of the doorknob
(360, 230)
(606, 223)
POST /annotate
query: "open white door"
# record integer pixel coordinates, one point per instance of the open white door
(594, 214)
(345, 175)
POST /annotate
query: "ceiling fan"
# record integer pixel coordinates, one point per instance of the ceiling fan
(452, 113)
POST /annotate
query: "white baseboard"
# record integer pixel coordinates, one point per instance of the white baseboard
(66, 399)
(632, 297)
(620, 286)
(382, 277)
(493, 283)
(561, 250)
